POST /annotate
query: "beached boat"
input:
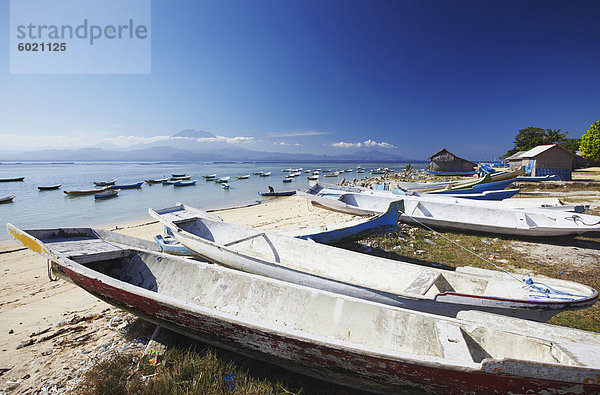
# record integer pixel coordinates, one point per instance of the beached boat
(82, 192)
(267, 174)
(12, 179)
(171, 246)
(368, 346)
(7, 199)
(185, 183)
(496, 195)
(394, 282)
(105, 183)
(245, 177)
(48, 187)
(127, 186)
(477, 188)
(440, 211)
(452, 173)
(548, 177)
(109, 193)
(275, 194)
(156, 181)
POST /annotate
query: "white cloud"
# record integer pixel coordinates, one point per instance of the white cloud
(288, 144)
(366, 143)
(298, 134)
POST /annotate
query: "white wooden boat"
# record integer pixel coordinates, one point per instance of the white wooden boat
(394, 282)
(82, 192)
(48, 187)
(455, 213)
(244, 177)
(345, 340)
(109, 193)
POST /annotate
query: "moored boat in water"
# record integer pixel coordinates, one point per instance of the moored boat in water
(105, 183)
(48, 187)
(7, 199)
(109, 193)
(82, 192)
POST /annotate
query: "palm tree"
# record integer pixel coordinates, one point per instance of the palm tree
(552, 136)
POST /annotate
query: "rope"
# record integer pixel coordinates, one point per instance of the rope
(577, 219)
(529, 281)
(50, 271)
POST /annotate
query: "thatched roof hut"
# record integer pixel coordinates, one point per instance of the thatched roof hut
(445, 161)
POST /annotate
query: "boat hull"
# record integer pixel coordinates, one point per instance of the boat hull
(365, 371)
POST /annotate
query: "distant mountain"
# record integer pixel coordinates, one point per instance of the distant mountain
(194, 134)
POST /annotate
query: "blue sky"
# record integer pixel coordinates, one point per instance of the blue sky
(408, 77)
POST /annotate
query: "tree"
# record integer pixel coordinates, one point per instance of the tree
(571, 145)
(531, 137)
(590, 142)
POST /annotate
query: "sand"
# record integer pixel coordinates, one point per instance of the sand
(63, 330)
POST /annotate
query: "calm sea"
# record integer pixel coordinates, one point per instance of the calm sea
(43, 209)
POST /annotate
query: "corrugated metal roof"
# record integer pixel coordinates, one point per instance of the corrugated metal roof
(516, 155)
(536, 151)
(542, 148)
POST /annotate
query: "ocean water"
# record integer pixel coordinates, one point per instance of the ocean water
(47, 209)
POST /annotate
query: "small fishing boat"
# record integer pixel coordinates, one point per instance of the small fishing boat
(221, 180)
(487, 186)
(48, 187)
(245, 177)
(287, 180)
(334, 174)
(7, 199)
(127, 186)
(258, 173)
(82, 192)
(185, 183)
(313, 178)
(440, 211)
(495, 195)
(209, 177)
(179, 175)
(183, 177)
(105, 183)
(156, 181)
(224, 185)
(452, 173)
(109, 193)
(12, 179)
(267, 174)
(341, 339)
(548, 177)
(275, 194)
(394, 282)
(169, 182)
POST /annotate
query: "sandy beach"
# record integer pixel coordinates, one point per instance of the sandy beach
(54, 331)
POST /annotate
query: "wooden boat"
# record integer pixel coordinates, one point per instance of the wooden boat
(452, 173)
(82, 192)
(496, 195)
(109, 193)
(7, 199)
(12, 179)
(394, 282)
(178, 175)
(48, 187)
(488, 186)
(288, 180)
(548, 177)
(368, 346)
(313, 178)
(105, 183)
(127, 186)
(275, 194)
(245, 177)
(169, 182)
(507, 175)
(222, 180)
(258, 173)
(185, 183)
(156, 181)
(267, 174)
(454, 213)
(334, 174)
(172, 246)
(209, 177)
(224, 185)
(351, 230)
(179, 178)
